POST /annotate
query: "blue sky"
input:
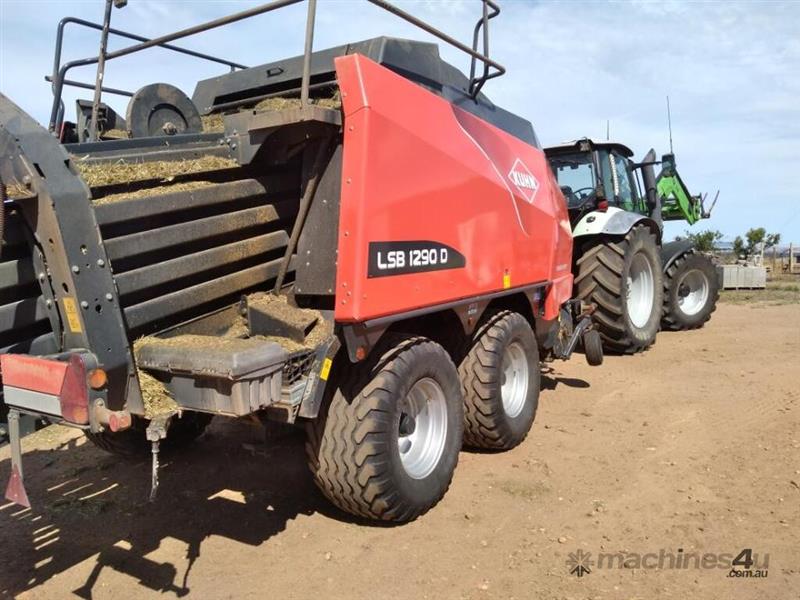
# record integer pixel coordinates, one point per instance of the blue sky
(731, 69)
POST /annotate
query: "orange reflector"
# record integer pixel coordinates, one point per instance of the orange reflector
(361, 353)
(97, 379)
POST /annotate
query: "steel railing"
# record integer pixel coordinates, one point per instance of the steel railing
(490, 70)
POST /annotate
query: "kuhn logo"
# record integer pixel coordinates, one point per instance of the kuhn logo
(526, 183)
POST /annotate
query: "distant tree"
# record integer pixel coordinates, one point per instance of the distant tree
(772, 239)
(739, 248)
(759, 240)
(704, 241)
(755, 236)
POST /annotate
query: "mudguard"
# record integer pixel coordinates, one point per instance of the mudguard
(672, 250)
(612, 221)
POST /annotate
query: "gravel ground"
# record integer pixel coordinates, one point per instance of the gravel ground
(690, 449)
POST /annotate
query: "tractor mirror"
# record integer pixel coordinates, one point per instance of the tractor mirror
(668, 164)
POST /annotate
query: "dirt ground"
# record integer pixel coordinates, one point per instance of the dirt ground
(692, 448)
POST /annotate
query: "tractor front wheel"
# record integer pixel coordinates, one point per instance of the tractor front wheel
(691, 291)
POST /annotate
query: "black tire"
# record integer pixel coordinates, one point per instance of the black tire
(353, 446)
(603, 270)
(593, 348)
(132, 443)
(676, 289)
(487, 422)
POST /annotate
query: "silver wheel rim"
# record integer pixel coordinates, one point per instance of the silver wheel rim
(423, 428)
(640, 290)
(514, 379)
(692, 292)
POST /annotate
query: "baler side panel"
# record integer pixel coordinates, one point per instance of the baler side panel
(418, 169)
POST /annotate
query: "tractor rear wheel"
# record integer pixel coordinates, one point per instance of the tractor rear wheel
(622, 279)
(500, 378)
(386, 443)
(691, 291)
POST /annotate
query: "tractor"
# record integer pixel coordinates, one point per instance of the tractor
(633, 281)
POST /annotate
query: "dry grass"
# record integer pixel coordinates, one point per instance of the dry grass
(213, 123)
(116, 134)
(155, 396)
(100, 174)
(782, 291)
(162, 190)
(200, 342)
(238, 328)
(279, 307)
(15, 190)
(279, 103)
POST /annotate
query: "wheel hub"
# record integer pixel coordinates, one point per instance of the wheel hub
(422, 431)
(407, 424)
(640, 290)
(514, 379)
(693, 291)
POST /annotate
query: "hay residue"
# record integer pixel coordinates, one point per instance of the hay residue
(199, 342)
(115, 134)
(321, 331)
(155, 396)
(281, 103)
(100, 174)
(213, 123)
(237, 329)
(15, 190)
(162, 190)
(280, 307)
(286, 343)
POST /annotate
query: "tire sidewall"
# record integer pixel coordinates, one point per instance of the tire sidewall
(643, 242)
(593, 348)
(692, 262)
(514, 328)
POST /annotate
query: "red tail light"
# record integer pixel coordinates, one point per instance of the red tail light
(58, 386)
(32, 373)
(602, 205)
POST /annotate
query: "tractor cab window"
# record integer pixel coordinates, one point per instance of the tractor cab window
(621, 182)
(576, 177)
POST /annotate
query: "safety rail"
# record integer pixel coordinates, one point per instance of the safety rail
(491, 68)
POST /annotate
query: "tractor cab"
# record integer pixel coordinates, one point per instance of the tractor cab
(596, 175)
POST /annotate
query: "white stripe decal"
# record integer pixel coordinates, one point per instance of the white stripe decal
(496, 170)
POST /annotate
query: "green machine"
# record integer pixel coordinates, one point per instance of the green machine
(635, 283)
